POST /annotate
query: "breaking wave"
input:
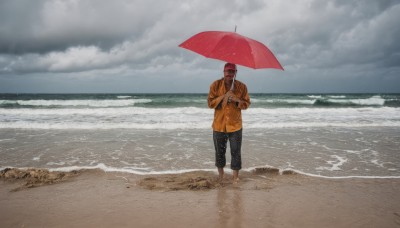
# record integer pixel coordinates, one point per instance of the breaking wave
(73, 103)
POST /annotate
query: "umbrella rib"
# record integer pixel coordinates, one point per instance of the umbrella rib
(251, 50)
(220, 41)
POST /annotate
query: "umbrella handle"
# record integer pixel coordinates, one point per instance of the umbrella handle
(233, 82)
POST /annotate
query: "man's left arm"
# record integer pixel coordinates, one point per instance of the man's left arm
(243, 100)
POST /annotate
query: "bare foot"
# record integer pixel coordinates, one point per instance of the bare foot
(221, 178)
(235, 176)
(221, 174)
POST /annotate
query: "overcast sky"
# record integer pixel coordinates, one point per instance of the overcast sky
(122, 46)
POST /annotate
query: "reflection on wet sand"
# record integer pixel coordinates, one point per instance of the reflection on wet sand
(230, 207)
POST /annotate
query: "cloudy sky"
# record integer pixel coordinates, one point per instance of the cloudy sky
(131, 46)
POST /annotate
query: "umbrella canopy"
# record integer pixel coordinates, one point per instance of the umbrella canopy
(232, 47)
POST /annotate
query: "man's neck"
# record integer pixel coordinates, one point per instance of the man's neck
(227, 83)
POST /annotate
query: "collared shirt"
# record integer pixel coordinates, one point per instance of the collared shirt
(227, 118)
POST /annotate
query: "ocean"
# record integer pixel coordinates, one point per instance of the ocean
(327, 135)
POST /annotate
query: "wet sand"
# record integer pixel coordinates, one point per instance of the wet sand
(264, 198)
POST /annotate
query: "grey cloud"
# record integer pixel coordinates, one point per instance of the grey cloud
(44, 26)
(335, 34)
(312, 39)
(129, 32)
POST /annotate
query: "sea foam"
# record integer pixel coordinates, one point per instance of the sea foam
(88, 103)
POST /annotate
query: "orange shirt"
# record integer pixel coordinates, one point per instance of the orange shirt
(229, 117)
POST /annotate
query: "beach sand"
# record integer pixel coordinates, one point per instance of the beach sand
(263, 198)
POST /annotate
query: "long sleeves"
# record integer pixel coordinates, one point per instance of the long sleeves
(227, 117)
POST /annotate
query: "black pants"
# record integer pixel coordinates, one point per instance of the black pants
(220, 143)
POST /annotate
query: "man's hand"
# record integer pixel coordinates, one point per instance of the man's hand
(234, 98)
(226, 98)
(229, 97)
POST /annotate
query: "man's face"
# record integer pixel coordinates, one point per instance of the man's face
(229, 74)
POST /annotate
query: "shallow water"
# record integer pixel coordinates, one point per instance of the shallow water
(334, 135)
(332, 152)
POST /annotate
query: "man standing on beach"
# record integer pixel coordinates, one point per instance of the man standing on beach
(228, 97)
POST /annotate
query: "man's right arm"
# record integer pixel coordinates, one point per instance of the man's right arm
(213, 98)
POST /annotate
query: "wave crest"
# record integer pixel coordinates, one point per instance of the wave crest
(74, 103)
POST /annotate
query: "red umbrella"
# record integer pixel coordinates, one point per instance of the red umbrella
(232, 47)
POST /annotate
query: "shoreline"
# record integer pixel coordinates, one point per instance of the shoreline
(94, 198)
(102, 167)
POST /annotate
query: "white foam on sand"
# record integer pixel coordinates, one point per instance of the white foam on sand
(139, 171)
(335, 164)
(133, 170)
